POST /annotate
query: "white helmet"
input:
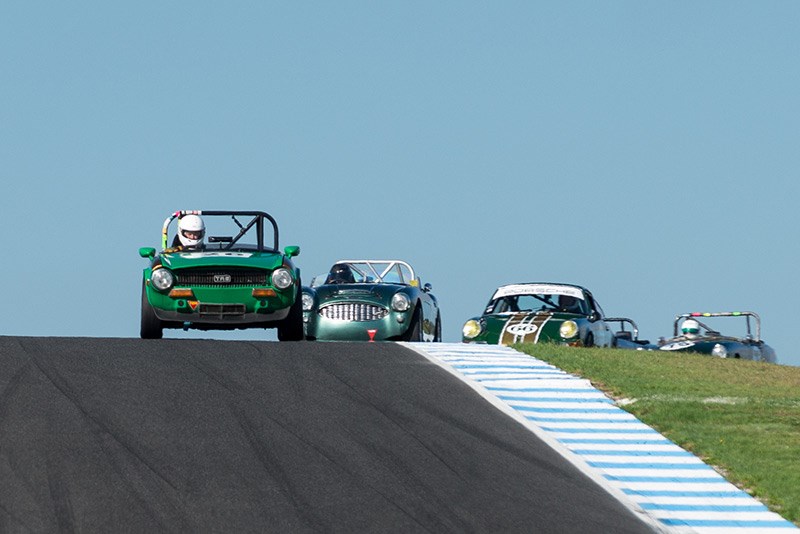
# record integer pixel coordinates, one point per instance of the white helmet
(690, 326)
(191, 230)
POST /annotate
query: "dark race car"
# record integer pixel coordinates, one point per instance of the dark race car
(237, 279)
(537, 312)
(696, 336)
(371, 300)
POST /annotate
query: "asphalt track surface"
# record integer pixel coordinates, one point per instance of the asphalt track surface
(128, 435)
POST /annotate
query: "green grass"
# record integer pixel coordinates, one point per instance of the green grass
(739, 416)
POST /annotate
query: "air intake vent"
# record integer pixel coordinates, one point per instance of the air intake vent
(221, 309)
(222, 277)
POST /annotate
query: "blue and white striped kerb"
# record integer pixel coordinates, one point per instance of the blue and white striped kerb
(634, 462)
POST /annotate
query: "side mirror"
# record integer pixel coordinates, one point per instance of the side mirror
(594, 317)
(292, 250)
(427, 288)
(147, 252)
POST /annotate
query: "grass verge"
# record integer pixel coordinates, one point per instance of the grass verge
(739, 416)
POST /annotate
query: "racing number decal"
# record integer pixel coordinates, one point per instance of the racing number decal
(522, 325)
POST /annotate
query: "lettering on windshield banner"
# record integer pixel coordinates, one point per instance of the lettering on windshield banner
(538, 289)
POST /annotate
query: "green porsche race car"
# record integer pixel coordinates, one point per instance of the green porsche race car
(371, 300)
(233, 281)
(540, 312)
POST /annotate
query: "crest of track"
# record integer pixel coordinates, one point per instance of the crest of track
(235, 436)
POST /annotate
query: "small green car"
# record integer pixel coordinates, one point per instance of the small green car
(540, 312)
(234, 281)
(371, 300)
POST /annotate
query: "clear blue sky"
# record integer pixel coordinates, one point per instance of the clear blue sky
(646, 150)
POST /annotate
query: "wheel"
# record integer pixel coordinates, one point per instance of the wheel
(589, 340)
(437, 336)
(291, 328)
(151, 326)
(414, 332)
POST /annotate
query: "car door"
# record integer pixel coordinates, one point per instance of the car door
(603, 336)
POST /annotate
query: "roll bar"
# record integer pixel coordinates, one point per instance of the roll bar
(258, 220)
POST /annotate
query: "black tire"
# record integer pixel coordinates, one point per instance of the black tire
(414, 332)
(151, 326)
(437, 335)
(291, 328)
(589, 340)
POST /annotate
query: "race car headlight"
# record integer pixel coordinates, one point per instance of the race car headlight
(281, 278)
(162, 279)
(568, 329)
(400, 302)
(308, 302)
(471, 329)
(719, 351)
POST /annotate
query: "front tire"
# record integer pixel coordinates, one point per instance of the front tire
(151, 326)
(414, 332)
(291, 328)
(589, 340)
(437, 336)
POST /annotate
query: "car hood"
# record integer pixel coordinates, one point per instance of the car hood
(522, 327)
(700, 343)
(258, 260)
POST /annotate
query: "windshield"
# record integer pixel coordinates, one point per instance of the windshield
(540, 297)
(370, 271)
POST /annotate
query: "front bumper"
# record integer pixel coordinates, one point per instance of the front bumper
(223, 306)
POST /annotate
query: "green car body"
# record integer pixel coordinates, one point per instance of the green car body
(234, 281)
(383, 301)
(537, 312)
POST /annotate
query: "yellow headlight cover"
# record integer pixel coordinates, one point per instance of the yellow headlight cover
(568, 329)
(471, 329)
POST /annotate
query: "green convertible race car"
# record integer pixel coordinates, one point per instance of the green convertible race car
(371, 300)
(232, 281)
(541, 312)
(697, 336)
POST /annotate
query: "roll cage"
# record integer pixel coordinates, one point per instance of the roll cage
(227, 242)
(379, 271)
(623, 333)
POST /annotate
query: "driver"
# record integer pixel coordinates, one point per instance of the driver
(568, 304)
(690, 328)
(340, 274)
(191, 231)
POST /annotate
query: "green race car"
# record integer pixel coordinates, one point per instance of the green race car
(371, 300)
(540, 312)
(233, 281)
(697, 336)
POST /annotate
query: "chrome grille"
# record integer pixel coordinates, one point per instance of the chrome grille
(354, 311)
(221, 277)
